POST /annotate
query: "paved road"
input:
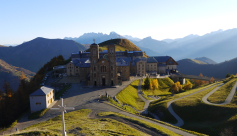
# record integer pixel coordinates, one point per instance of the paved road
(87, 98)
(228, 99)
(180, 121)
(78, 97)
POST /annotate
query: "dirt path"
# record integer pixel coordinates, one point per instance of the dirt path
(180, 121)
(228, 99)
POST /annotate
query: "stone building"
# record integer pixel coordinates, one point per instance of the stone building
(41, 98)
(110, 67)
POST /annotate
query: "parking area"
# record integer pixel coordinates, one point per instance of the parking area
(68, 79)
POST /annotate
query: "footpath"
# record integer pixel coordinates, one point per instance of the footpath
(228, 99)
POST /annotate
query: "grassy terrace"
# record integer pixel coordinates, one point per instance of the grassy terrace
(221, 94)
(129, 96)
(78, 123)
(161, 104)
(208, 119)
(163, 90)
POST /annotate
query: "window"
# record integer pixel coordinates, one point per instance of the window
(47, 95)
(103, 68)
(94, 68)
(38, 103)
(94, 74)
(111, 67)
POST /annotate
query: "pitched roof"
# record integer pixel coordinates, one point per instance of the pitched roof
(43, 91)
(123, 61)
(82, 62)
(151, 60)
(161, 58)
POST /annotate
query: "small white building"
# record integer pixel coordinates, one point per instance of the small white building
(41, 98)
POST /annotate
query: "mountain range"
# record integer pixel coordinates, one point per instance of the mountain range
(32, 55)
(218, 45)
(192, 67)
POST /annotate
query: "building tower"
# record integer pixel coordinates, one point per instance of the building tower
(94, 57)
(112, 64)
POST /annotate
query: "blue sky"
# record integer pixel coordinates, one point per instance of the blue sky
(24, 20)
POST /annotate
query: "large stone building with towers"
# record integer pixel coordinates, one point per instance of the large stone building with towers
(110, 67)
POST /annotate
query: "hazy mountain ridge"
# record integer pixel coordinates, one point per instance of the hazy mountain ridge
(206, 60)
(11, 74)
(33, 54)
(190, 67)
(219, 45)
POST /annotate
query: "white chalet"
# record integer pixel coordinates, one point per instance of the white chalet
(41, 98)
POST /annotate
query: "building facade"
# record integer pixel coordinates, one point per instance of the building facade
(110, 67)
(41, 98)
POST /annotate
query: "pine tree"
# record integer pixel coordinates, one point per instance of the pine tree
(147, 83)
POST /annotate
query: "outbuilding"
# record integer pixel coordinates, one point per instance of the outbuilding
(41, 98)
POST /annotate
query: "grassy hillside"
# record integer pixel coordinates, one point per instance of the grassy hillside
(161, 104)
(78, 123)
(33, 54)
(187, 66)
(208, 119)
(11, 74)
(129, 96)
(221, 94)
(164, 85)
(206, 60)
(120, 45)
(198, 61)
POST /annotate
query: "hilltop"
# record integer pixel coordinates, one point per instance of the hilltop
(11, 74)
(32, 55)
(190, 67)
(206, 60)
(120, 45)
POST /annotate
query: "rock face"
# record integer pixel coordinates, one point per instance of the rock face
(32, 55)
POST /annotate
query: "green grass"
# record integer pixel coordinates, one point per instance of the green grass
(148, 98)
(35, 133)
(117, 48)
(37, 114)
(208, 119)
(146, 124)
(163, 90)
(78, 123)
(126, 108)
(129, 96)
(221, 94)
(161, 104)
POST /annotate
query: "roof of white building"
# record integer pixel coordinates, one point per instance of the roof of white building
(42, 91)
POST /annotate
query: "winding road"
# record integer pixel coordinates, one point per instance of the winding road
(204, 99)
(228, 98)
